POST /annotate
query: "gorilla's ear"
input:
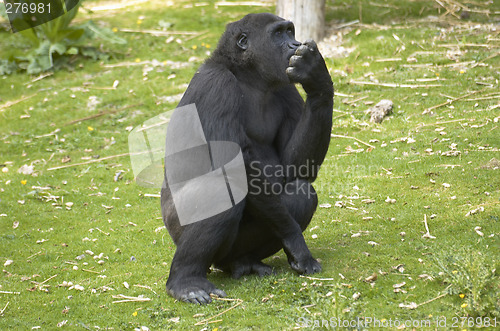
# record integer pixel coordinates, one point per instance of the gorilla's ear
(243, 41)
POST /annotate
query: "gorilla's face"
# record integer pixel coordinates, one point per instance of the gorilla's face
(259, 46)
(283, 43)
(271, 49)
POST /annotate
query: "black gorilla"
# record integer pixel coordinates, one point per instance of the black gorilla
(245, 93)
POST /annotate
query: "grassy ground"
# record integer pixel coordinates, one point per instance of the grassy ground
(369, 233)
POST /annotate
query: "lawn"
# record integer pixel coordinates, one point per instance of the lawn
(408, 225)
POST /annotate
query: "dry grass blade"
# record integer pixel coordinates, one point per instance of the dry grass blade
(158, 33)
(354, 82)
(11, 103)
(207, 320)
(129, 299)
(106, 112)
(89, 162)
(3, 310)
(448, 102)
(340, 136)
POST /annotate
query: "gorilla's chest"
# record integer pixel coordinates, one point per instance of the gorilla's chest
(263, 120)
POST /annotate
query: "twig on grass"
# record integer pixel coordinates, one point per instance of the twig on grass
(11, 103)
(427, 234)
(485, 59)
(149, 195)
(439, 123)
(2, 311)
(29, 257)
(9, 292)
(448, 102)
(314, 278)
(106, 112)
(208, 320)
(158, 33)
(413, 305)
(350, 102)
(354, 82)
(105, 233)
(448, 10)
(484, 98)
(393, 59)
(242, 3)
(42, 76)
(146, 287)
(340, 116)
(340, 136)
(89, 162)
(429, 301)
(345, 25)
(129, 299)
(45, 281)
(338, 94)
(465, 45)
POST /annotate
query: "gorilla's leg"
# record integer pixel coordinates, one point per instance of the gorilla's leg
(198, 246)
(255, 240)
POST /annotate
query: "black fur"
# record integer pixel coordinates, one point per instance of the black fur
(245, 93)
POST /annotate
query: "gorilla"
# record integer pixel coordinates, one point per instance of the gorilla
(245, 93)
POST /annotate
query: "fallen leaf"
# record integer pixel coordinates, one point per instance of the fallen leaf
(371, 278)
(411, 305)
(399, 285)
(26, 169)
(474, 211)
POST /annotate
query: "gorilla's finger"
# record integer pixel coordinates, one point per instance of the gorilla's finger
(311, 44)
(294, 60)
(302, 50)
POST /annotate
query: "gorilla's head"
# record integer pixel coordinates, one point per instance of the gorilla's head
(258, 48)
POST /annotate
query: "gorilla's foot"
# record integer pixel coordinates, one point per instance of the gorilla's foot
(306, 266)
(244, 267)
(193, 290)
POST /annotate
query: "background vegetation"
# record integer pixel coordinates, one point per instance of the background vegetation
(75, 240)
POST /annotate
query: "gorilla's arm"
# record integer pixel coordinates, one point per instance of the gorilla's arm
(308, 143)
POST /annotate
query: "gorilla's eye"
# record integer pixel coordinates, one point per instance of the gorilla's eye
(243, 41)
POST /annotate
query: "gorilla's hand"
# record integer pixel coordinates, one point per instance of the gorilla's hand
(308, 68)
(306, 266)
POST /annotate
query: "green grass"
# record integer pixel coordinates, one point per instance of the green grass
(463, 265)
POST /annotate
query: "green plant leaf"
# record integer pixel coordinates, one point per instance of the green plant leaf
(7, 67)
(60, 48)
(73, 35)
(72, 51)
(103, 33)
(31, 35)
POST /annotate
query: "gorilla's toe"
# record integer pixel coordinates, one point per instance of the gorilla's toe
(198, 291)
(262, 269)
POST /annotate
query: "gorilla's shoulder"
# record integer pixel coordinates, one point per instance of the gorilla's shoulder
(212, 85)
(213, 77)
